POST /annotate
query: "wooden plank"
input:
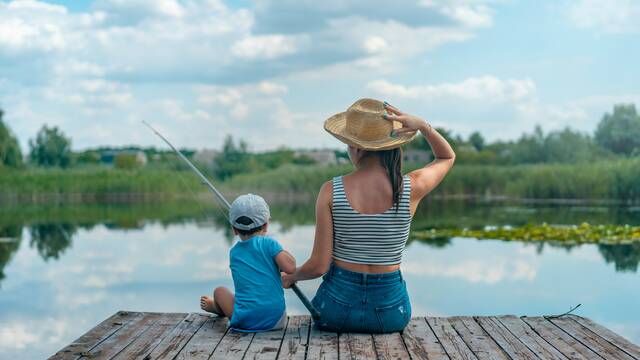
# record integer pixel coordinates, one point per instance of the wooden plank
(171, 345)
(594, 342)
(322, 345)
(509, 343)
(390, 346)
(566, 344)
(233, 345)
(86, 342)
(146, 342)
(296, 338)
(476, 338)
(453, 344)
(421, 342)
(123, 337)
(615, 339)
(265, 345)
(356, 346)
(529, 338)
(203, 343)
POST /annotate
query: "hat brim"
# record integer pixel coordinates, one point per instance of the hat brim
(336, 126)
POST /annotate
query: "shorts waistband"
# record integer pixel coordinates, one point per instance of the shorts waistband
(363, 278)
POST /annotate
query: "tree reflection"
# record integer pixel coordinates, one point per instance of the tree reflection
(626, 257)
(10, 239)
(51, 240)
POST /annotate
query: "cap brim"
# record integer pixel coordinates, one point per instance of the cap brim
(336, 126)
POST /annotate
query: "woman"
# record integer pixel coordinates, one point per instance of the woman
(363, 219)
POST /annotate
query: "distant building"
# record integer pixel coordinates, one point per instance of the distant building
(205, 156)
(322, 157)
(416, 156)
(108, 157)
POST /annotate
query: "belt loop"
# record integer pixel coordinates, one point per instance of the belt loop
(400, 273)
(363, 279)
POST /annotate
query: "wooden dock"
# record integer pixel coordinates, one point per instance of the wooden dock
(135, 335)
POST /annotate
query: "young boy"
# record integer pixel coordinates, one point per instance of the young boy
(255, 261)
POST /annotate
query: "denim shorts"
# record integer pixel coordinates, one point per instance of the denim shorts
(350, 301)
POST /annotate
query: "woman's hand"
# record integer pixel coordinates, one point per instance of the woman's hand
(409, 123)
(287, 280)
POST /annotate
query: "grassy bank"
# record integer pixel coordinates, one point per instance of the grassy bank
(611, 180)
(618, 180)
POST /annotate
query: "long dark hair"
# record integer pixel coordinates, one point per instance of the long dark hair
(392, 162)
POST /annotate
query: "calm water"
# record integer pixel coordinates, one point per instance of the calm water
(65, 269)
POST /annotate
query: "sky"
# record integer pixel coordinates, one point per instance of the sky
(270, 72)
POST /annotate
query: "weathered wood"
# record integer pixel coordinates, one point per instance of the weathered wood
(86, 342)
(123, 337)
(296, 338)
(356, 346)
(530, 338)
(421, 342)
(323, 345)
(233, 345)
(171, 345)
(610, 336)
(594, 342)
(477, 340)
(203, 343)
(265, 345)
(453, 344)
(197, 336)
(503, 337)
(146, 342)
(390, 346)
(566, 344)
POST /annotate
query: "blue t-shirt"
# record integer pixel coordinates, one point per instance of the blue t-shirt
(259, 298)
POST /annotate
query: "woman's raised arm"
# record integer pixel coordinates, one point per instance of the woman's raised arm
(425, 179)
(322, 251)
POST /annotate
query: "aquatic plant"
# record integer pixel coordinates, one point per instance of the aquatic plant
(571, 234)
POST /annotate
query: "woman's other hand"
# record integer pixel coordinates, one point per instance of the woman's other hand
(287, 280)
(409, 122)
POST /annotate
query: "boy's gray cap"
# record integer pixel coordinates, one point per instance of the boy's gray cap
(253, 207)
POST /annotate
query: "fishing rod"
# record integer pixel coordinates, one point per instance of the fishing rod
(223, 201)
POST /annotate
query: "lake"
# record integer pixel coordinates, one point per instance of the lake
(63, 269)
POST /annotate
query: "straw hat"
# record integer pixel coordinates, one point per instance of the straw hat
(363, 126)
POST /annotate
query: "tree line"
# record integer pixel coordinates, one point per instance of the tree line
(616, 135)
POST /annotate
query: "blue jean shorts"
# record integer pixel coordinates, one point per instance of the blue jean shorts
(350, 301)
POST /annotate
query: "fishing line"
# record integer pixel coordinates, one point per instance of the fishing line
(176, 166)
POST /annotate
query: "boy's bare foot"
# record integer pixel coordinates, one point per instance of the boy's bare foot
(207, 304)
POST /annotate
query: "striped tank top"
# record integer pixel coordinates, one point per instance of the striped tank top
(377, 239)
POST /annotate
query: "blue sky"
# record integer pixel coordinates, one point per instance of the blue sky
(271, 71)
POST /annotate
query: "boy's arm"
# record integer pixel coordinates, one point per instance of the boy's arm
(286, 262)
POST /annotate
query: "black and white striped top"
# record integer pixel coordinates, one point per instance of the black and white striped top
(377, 239)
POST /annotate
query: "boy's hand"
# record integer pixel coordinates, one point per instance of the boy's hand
(287, 280)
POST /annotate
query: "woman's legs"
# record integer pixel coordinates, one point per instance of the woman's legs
(221, 303)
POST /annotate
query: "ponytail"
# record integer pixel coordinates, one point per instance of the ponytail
(392, 162)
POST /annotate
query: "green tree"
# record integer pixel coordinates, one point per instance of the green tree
(477, 140)
(10, 154)
(234, 159)
(126, 161)
(568, 146)
(620, 131)
(529, 148)
(50, 148)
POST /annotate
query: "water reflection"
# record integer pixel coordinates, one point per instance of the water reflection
(79, 264)
(51, 228)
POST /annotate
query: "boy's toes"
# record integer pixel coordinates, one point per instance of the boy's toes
(206, 304)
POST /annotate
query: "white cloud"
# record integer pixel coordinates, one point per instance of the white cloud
(489, 271)
(263, 47)
(612, 16)
(487, 88)
(469, 13)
